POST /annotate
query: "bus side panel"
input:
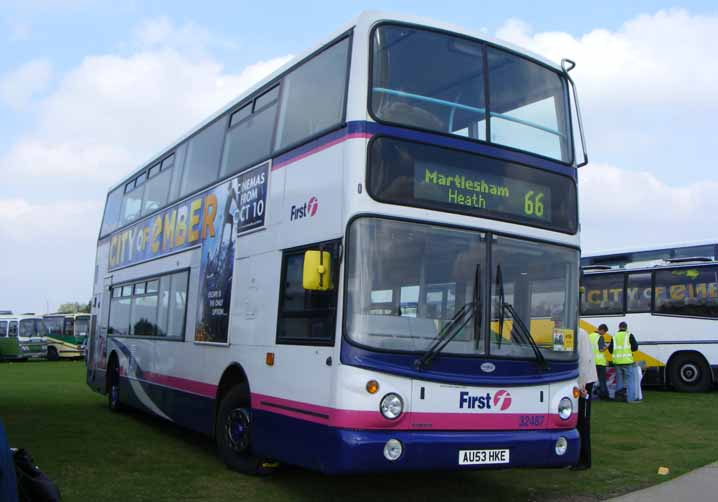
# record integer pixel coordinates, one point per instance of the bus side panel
(313, 198)
(659, 337)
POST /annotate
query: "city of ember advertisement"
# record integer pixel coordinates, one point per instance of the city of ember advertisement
(476, 192)
(178, 227)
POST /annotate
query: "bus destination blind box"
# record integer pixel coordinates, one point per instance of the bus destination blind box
(471, 184)
(476, 190)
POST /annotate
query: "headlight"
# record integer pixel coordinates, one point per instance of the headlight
(561, 446)
(393, 450)
(565, 408)
(391, 406)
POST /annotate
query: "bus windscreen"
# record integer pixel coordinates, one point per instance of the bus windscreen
(413, 174)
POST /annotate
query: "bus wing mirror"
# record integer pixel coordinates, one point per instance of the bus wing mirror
(317, 274)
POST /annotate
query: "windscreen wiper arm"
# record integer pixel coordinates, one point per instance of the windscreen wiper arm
(518, 322)
(460, 319)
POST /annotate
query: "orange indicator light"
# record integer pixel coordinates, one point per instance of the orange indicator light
(372, 386)
(270, 359)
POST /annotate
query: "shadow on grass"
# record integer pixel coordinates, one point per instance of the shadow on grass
(294, 483)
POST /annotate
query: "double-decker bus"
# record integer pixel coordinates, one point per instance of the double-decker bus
(67, 334)
(668, 296)
(22, 336)
(368, 262)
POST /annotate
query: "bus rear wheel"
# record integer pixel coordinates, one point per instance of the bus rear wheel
(233, 434)
(690, 373)
(52, 354)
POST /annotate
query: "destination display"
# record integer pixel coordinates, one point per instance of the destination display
(426, 176)
(466, 189)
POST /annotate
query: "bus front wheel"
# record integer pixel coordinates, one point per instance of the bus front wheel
(233, 434)
(690, 373)
(52, 354)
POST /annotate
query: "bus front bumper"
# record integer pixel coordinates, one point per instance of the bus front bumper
(363, 451)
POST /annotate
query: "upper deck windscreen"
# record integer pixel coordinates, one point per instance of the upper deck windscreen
(449, 84)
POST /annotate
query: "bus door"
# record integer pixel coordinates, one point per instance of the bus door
(307, 320)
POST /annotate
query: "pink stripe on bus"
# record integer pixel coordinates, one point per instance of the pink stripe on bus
(362, 419)
(357, 135)
(177, 383)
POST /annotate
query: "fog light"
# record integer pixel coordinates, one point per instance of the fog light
(393, 450)
(561, 446)
(391, 406)
(565, 408)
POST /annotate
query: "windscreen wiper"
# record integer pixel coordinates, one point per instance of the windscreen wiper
(460, 319)
(518, 323)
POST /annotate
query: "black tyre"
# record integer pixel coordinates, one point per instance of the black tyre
(690, 373)
(233, 434)
(52, 354)
(113, 385)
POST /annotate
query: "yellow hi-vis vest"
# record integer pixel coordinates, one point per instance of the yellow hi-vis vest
(622, 348)
(598, 356)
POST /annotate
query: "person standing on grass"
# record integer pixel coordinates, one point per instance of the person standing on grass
(622, 346)
(586, 377)
(599, 346)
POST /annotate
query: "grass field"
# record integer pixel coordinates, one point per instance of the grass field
(96, 455)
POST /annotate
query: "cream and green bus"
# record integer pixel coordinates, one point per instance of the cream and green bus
(67, 335)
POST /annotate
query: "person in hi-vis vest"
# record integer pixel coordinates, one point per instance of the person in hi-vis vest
(599, 346)
(622, 346)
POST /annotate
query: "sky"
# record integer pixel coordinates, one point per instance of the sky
(89, 89)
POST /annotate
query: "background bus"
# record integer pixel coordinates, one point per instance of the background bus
(359, 265)
(669, 298)
(9, 345)
(67, 335)
(29, 333)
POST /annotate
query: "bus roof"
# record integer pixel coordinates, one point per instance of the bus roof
(73, 314)
(19, 317)
(657, 248)
(364, 21)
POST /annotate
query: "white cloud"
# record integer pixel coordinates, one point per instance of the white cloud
(647, 89)
(17, 87)
(651, 58)
(112, 112)
(47, 252)
(162, 32)
(621, 208)
(101, 120)
(25, 222)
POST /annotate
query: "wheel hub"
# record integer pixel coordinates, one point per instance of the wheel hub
(237, 430)
(689, 372)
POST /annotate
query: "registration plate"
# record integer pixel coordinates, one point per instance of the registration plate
(480, 457)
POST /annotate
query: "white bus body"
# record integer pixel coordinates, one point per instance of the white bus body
(30, 331)
(202, 317)
(669, 298)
